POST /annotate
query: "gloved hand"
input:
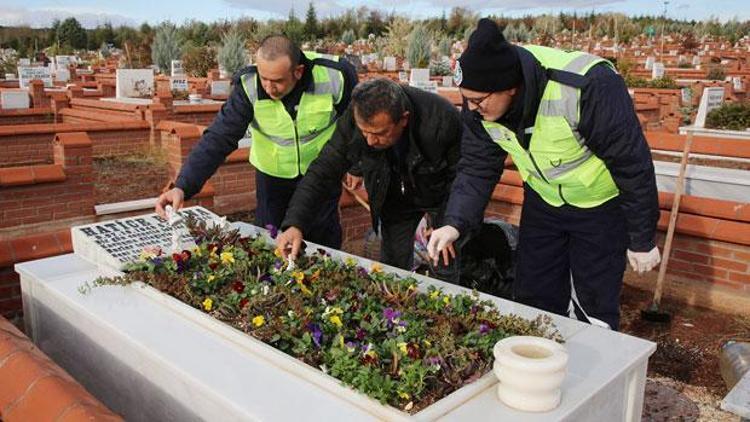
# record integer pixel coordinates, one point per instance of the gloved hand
(441, 241)
(642, 262)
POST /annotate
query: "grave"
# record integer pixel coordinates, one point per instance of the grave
(62, 75)
(177, 69)
(151, 357)
(14, 99)
(657, 72)
(134, 83)
(24, 62)
(220, 88)
(27, 74)
(711, 99)
(389, 64)
(650, 62)
(177, 83)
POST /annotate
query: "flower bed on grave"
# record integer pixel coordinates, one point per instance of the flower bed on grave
(372, 330)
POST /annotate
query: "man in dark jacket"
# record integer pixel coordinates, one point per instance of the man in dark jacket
(407, 141)
(289, 103)
(590, 193)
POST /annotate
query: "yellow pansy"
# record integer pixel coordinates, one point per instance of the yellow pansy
(427, 343)
(376, 268)
(208, 304)
(403, 395)
(446, 300)
(336, 320)
(277, 253)
(435, 294)
(210, 278)
(298, 275)
(402, 347)
(259, 320)
(197, 251)
(350, 261)
(227, 258)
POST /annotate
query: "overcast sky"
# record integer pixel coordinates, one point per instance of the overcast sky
(39, 13)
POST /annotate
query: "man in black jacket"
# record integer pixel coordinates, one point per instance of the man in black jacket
(407, 141)
(589, 186)
(290, 101)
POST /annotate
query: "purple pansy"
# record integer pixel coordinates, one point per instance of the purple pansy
(315, 332)
(272, 230)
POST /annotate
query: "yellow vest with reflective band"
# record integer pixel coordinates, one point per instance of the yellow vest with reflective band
(557, 163)
(284, 147)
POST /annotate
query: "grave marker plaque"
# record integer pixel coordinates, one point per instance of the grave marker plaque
(28, 74)
(115, 243)
(220, 88)
(177, 69)
(712, 98)
(178, 84)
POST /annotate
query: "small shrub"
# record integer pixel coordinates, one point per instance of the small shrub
(731, 116)
(197, 61)
(418, 50)
(232, 53)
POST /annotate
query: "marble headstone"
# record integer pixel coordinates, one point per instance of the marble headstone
(26, 74)
(220, 88)
(14, 99)
(116, 243)
(711, 99)
(134, 83)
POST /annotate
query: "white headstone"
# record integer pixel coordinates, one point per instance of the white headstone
(62, 75)
(27, 74)
(403, 77)
(672, 52)
(389, 63)
(24, 62)
(429, 86)
(447, 81)
(737, 83)
(637, 54)
(710, 100)
(658, 71)
(681, 59)
(62, 62)
(177, 69)
(650, 62)
(10, 77)
(178, 84)
(14, 99)
(118, 242)
(138, 83)
(222, 72)
(220, 88)
(419, 75)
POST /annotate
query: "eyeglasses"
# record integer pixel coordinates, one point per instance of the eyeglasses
(476, 101)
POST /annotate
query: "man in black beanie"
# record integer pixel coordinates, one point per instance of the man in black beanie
(590, 196)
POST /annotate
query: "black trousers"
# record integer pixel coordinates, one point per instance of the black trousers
(555, 242)
(273, 195)
(398, 224)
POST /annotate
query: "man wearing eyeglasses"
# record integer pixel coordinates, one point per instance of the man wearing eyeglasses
(590, 196)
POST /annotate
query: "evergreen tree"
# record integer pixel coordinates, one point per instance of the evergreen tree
(232, 53)
(70, 34)
(167, 46)
(311, 23)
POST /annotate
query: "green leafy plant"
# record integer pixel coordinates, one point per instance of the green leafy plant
(374, 331)
(665, 82)
(197, 61)
(731, 116)
(167, 46)
(716, 73)
(232, 52)
(418, 50)
(348, 37)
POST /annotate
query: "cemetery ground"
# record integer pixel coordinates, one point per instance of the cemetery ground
(684, 380)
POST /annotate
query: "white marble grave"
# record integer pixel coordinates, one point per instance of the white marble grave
(27, 74)
(220, 88)
(13, 99)
(148, 356)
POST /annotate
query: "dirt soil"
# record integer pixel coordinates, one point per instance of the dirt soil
(127, 178)
(700, 161)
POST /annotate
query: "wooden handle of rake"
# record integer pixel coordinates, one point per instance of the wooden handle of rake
(679, 188)
(356, 196)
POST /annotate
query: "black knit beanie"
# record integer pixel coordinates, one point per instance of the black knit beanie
(489, 63)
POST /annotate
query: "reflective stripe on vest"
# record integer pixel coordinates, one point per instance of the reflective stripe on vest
(557, 164)
(283, 147)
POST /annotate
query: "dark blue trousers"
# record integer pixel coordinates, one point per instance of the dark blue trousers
(555, 242)
(273, 196)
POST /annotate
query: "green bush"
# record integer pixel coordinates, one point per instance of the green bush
(419, 47)
(232, 52)
(716, 73)
(167, 46)
(197, 61)
(732, 116)
(664, 83)
(348, 37)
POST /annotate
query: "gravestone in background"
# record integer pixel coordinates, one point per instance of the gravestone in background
(220, 88)
(658, 71)
(115, 243)
(178, 83)
(14, 99)
(27, 74)
(650, 60)
(177, 69)
(711, 99)
(134, 83)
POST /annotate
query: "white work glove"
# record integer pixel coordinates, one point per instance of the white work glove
(642, 262)
(441, 241)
